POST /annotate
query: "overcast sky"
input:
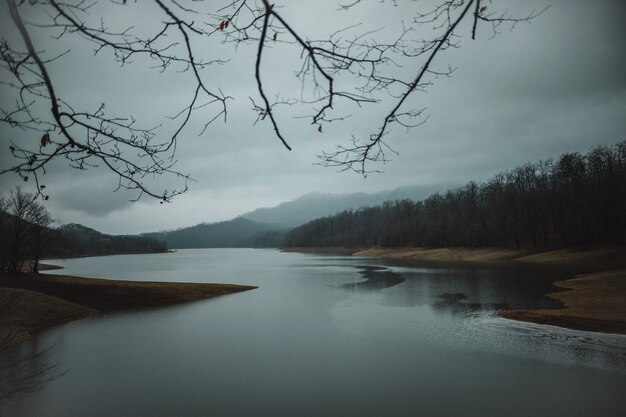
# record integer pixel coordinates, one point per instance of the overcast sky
(555, 85)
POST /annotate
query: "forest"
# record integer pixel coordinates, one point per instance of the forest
(575, 200)
(77, 240)
(26, 236)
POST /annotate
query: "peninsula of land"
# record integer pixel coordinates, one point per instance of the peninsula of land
(30, 302)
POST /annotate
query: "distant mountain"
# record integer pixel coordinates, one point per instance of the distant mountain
(267, 227)
(236, 233)
(315, 205)
(80, 231)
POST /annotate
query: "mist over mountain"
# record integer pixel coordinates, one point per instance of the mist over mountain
(266, 227)
(576, 200)
(315, 205)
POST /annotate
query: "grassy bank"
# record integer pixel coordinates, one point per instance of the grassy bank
(24, 312)
(33, 302)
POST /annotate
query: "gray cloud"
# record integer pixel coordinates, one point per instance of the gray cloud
(553, 86)
(91, 195)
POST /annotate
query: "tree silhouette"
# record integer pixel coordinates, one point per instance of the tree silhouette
(23, 225)
(349, 69)
(577, 200)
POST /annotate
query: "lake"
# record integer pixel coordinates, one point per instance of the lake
(323, 335)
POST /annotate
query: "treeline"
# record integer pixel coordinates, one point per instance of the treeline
(76, 240)
(577, 200)
(236, 233)
(26, 236)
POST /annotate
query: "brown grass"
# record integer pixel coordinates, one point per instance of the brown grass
(598, 258)
(32, 302)
(24, 312)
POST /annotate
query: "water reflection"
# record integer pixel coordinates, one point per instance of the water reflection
(376, 278)
(462, 289)
(455, 303)
(399, 339)
(24, 369)
(600, 350)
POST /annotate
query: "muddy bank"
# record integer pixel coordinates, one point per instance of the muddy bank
(33, 302)
(593, 302)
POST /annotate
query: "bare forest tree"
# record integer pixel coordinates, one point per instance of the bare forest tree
(24, 229)
(350, 69)
(576, 200)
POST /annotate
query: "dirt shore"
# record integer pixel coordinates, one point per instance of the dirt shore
(593, 302)
(599, 258)
(32, 302)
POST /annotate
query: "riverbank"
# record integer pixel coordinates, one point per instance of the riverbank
(599, 258)
(594, 302)
(33, 302)
(92, 254)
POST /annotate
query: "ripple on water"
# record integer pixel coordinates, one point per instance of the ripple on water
(550, 343)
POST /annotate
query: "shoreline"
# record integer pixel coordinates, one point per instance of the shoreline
(598, 258)
(30, 303)
(595, 301)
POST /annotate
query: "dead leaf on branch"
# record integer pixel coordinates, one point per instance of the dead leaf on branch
(45, 139)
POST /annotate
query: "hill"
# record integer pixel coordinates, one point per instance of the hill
(315, 205)
(77, 240)
(236, 233)
(267, 227)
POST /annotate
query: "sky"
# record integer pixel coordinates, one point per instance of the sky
(554, 85)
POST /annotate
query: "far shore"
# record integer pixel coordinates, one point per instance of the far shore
(30, 303)
(594, 301)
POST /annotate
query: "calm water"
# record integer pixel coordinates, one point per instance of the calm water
(322, 336)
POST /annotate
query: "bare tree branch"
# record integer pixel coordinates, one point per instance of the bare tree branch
(346, 69)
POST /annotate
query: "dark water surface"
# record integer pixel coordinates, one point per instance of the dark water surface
(323, 335)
